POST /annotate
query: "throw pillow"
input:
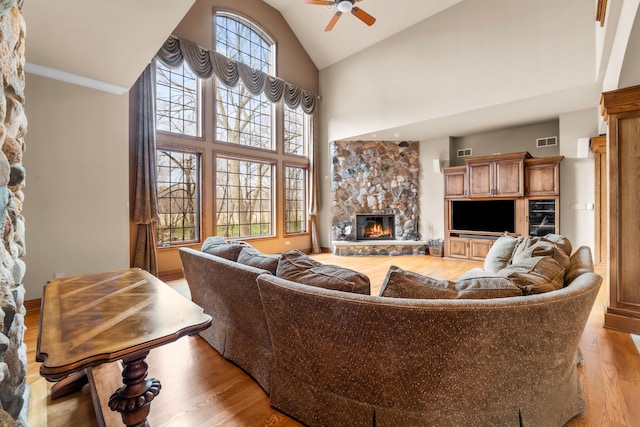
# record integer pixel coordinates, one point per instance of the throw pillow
(213, 241)
(400, 283)
(501, 253)
(535, 275)
(299, 267)
(536, 247)
(216, 245)
(561, 241)
(253, 257)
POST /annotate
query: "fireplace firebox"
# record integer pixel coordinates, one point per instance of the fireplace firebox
(375, 227)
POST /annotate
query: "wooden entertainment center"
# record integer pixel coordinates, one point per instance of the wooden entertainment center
(528, 187)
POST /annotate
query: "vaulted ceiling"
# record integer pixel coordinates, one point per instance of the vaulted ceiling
(109, 43)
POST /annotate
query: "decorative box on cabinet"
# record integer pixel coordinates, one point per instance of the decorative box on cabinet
(455, 182)
(621, 110)
(497, 175)
(542, 176)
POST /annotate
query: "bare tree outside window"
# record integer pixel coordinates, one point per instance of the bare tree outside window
(295, 199)
(178, 197)
(294, 131)
(244, 188)
(244, 198)
(177, 100)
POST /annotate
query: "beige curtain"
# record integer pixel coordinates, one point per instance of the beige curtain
(313, 191)
(145, 202)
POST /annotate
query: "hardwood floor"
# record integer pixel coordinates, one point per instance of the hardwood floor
(200, 388)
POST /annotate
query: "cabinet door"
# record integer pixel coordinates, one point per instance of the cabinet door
(479, 248)
(480, 179)
(508, 178)
(455, 183)
(543, 179)
(458, 247)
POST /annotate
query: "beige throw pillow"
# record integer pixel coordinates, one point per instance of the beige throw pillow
(501, 253)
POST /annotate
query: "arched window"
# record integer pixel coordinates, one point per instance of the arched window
(254, 155)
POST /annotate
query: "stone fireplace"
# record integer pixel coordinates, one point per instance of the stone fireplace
(375, 227)
(375, 178)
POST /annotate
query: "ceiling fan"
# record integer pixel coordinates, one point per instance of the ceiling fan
(344, 6)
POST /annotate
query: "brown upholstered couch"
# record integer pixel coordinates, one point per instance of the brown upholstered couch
(225, 286)
(328, 357)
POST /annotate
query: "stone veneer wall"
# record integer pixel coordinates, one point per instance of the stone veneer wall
(13, 127)
(375, 177)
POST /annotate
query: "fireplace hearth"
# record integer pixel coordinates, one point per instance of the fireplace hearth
(375, 227)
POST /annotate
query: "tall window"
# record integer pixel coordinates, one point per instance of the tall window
(251, 164)
(295, 132)
(242, 117)
(244, 196)
(177, 100)
(244, 186)
(295, 199)
(178, 197)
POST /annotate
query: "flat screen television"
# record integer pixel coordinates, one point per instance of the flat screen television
(483, 215)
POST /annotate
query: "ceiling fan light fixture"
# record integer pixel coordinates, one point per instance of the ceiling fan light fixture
(345, 6)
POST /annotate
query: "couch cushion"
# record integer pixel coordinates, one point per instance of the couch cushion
(400, 283)
(299, 267)
(501, 253)
(253, 257)
(217, 245)
(532, 247)
(581, 262)
(561, 241)
(535, 275)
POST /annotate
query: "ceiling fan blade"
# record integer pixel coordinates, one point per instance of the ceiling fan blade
(363, 16)
(333, 21)
(320, 2)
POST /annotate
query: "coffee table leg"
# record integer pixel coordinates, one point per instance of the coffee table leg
(133, 400)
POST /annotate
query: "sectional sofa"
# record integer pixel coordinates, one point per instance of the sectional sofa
(497, 346)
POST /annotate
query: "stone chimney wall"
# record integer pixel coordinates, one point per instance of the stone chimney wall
(13, 127)
(375, 177)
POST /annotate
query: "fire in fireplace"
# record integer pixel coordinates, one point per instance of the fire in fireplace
(375, 227)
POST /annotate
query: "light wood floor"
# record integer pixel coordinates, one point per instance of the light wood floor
(200, 388)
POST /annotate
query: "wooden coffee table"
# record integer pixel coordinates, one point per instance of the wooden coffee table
(89, 320)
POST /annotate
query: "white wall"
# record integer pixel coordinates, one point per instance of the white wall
(461, 60)
(431, 192)
(76, 194)
(577, 178)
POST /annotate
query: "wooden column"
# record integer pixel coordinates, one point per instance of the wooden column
(601, 243)
(621, 109)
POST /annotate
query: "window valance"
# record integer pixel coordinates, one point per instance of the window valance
(206, 63)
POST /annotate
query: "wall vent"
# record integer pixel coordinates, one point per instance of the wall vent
(549, 141)
(464, 152)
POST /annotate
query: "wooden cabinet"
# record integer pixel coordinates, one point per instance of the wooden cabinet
(497, 176)
(458, 247)
(542, 176)
(455, 182)
(469, 248)
(621, 109)
(479, 248)
(533, 185)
